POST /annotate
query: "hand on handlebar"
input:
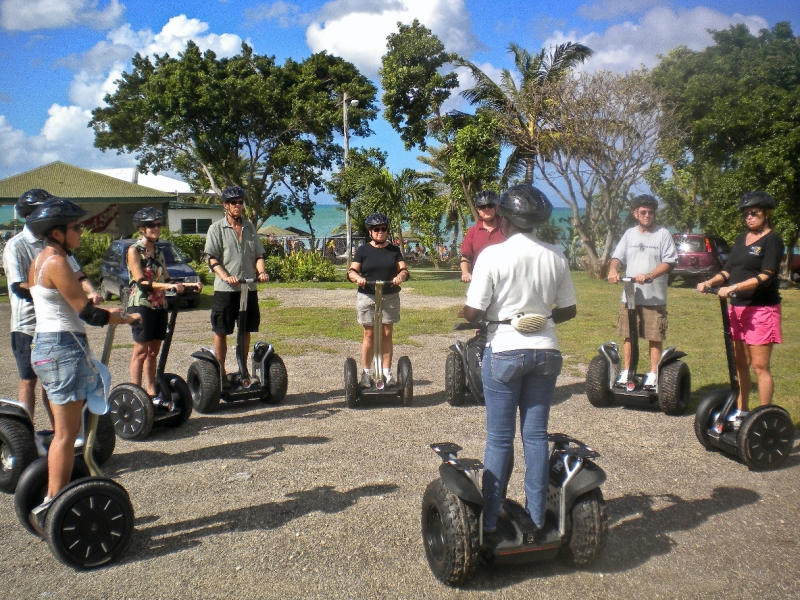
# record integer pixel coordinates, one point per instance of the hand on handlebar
(361, 281)
(613, 276)
(466, 277)
(230, 280)
(703, 287)
(263, 277)
(642, 278)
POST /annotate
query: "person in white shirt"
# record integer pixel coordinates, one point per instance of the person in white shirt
(519, 276)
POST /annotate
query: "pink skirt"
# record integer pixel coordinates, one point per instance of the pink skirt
(756, 325)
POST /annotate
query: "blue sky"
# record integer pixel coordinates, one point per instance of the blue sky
(58, 58)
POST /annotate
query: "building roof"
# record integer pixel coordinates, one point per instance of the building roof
(68, 181)
(163, 183)
(276, 231)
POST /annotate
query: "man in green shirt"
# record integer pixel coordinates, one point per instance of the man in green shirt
(234, 252)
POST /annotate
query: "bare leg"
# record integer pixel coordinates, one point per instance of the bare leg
(655, 355)
(27, 394)
(221, 351)
(760, 356)
(386, 346)
(61, 455)
(138, 358)
(150, 363)
(742, 354)
(367, 347)
(626, 352)
(47, 409)
(246, 345)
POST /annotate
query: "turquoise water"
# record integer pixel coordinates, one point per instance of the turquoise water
(329, 217)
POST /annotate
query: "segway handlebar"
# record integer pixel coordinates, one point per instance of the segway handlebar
(243, 281)
(469, 326)
(715, 292)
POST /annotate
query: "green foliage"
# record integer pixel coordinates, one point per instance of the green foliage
(301, 266)
(92, 270)
(93, 247)
(413, 83)
(202, 270)
(549, 232)
(356, 180)
(191, 246)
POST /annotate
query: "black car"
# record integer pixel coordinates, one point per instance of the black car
(114, 272)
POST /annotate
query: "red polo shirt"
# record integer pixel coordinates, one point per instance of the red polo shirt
(477, 238)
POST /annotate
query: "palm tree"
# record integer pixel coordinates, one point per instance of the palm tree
(438, 159)
(391, 193)
(523, 111)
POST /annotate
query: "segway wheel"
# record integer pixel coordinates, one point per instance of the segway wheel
(708, 406)
(351, 389)
(203, 382)
(588, 529)
(89, 523)
(17, 451)
(131, 411)
(105, 441)
(675, 385)
(450, 535)
(179, 392)
(454, 380)
(406, 378)
(278, 382)
(766, 438)
(597, 383)
(32, 488)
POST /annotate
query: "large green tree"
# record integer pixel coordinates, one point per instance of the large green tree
(244, 120)
(737, 103)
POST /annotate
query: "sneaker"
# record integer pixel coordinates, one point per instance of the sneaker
(39, 514)
(623, 376)
(366, 380)
(491, 539)
(650, 380)
(390, 381)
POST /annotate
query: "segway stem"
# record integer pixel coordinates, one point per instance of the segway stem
(633, 331)
(244, 374)
(93, 420)
(377, 323)
(729, 355)
(165, 346)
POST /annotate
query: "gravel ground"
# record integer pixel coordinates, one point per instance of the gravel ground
(309, 499)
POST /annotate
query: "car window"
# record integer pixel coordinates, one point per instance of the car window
(109, 257)
(691, 245)
(721, 246)
(171, 253)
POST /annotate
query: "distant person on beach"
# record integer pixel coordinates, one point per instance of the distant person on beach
(486, 232)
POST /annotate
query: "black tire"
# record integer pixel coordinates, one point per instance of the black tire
(131, 411)
(454, 384)
(32, 488)
(675, 385)
(709, 405)
(352, 391)
(180, 394)
(203, 382)
(105, 440)
(597, 383)
(450, 535)
(193, 303)
(406, 379)
(278, 382)
(90, 523)
(17, 451)
(588, 529)
(766, 438)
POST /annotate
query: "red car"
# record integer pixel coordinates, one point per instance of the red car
(700, 256)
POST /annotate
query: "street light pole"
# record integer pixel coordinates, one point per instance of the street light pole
(347, 219)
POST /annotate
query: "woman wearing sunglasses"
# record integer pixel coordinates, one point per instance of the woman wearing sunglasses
(749, 281)
(377, 260)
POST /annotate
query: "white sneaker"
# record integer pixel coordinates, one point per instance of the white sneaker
(623, 376)
(650, 380)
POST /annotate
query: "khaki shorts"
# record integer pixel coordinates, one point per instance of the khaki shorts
(365, 308)
(651, 322)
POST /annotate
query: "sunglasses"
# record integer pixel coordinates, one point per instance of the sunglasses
(153, 225)
(485, 206)
(235, 202)
(380, 229)
(77, 228)
(752, 213)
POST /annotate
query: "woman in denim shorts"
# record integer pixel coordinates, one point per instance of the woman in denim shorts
(58, 355)
(749, 280)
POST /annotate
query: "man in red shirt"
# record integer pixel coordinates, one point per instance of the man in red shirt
(486, 232)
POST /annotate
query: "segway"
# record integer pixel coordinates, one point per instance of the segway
(765, 436)
(452, 520)
(462, 368)
(673, 380)
(134, 412)
(402, 390)
(91, 520)
(268, 380)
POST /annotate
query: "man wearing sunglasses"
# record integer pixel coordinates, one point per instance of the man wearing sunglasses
(486, 232)
(234, 252)
(649, 254)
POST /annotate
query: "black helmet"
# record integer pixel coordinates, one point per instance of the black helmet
(232, 192)
(758, 200)
(147, 215)
(376, 219)
(56, 212)
(644, 200)
(485, 197)
(28, 202)
(525, 206)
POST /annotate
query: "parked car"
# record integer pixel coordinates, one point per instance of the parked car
(114, 272)
(700, 256)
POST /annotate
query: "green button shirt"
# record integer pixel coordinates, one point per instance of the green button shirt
(238, 258)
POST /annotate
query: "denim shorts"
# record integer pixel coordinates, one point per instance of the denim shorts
(62, 367)
(21, 348)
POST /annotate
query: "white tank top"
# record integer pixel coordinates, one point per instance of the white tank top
(53, 312)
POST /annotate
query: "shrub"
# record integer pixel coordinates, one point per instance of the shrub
(301, 266)
(191, 246)
(202, 270)
(93, 247)
(272, 265)
(92, 270)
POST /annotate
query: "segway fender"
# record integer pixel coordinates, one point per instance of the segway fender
(206, 354)
(15, 408)
(462, 486)
(611, 353)
(588, 478)
(669, 355)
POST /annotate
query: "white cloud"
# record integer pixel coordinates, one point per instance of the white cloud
(629, 45)
(284, 13)
(30, 15)
(357, 31)
(608, 9)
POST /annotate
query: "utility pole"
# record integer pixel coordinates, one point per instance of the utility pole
(347, 219)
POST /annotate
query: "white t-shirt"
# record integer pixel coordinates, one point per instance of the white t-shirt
(520, 275)
(641, 252)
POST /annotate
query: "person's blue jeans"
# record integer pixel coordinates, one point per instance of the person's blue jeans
(524, 380)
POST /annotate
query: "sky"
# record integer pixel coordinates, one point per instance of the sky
(59, 58)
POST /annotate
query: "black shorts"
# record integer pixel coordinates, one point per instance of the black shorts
(153, 325)
(21, 347)
(225, 312)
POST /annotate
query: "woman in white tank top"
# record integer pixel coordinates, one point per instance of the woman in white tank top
(58, 355)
